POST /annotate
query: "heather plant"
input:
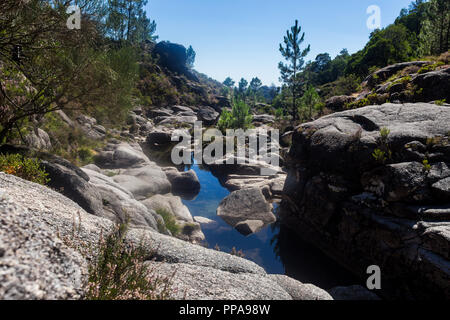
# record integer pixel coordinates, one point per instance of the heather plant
(119, 271)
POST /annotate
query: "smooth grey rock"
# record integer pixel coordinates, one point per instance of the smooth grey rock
(143, 182)
(298, 290)
(171, 204)
(203, 283)
(249, 227)
(119, 204)
(246, 204)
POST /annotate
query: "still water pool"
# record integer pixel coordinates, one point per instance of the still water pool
(257, 247)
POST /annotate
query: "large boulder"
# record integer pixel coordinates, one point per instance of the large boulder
(364, 210)
(208, 116)
(121, 155)
(143, 182)
(248, 206)
(435, 85)
(185, 184)
(172, 56)
(119, 204)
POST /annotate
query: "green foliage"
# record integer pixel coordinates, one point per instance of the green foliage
(309, 101)
(294, 56)
(430, 67)
(380, 156)
(239, 117)
(169, 221)
(440, 102)
(383, 153)
(435, 29)
(426, 165)
(25, 168)
(387, 46)
(190, 60)
(119, 272)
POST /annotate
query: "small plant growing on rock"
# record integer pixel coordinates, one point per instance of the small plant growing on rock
(426, 165)
(169, 221)
(25, 168)
(119, 272)
(383, 153)
(440, 102)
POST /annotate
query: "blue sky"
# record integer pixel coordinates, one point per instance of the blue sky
(240, 38)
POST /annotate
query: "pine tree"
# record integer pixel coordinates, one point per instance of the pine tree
(435, 32)
(190, 57)
(295, 57)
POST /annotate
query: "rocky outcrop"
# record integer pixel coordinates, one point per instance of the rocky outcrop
(38, 139)
(386, 72)
(38, 259)
(391, 212)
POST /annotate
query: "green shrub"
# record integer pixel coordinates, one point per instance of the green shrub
(119, 272)
(238, 118)
(440, 102)
(86, 155)
(169, 221)
(426, 165)
(383, 152)
(25, 168)
(379, 156)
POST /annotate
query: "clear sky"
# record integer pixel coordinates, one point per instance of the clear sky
(240, 38)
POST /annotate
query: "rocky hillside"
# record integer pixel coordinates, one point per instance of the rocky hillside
(371, 186)
(416, 81)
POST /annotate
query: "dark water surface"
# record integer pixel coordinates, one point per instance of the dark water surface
(256, 247)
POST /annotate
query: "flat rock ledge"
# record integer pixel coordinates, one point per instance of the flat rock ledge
(39, 258)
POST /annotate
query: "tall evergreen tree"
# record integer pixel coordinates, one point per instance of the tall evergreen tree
(190, 53)
(435, 32)
(294, 56)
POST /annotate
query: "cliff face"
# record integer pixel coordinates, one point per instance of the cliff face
(390, 209)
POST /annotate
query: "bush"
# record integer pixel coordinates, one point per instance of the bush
(238, 118)
(119, 272)
(25, 168)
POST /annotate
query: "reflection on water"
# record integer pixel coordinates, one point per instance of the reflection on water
(256, 247)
